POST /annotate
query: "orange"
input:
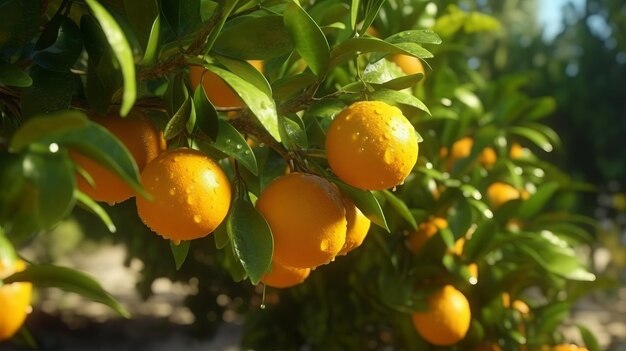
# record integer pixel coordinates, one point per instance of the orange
(462, 148)
(307, 218)
(141, 138)
(487, 157)
(14, 301)
(217, 90)
(517, 304)
(284, 276)
(191, 195)
(408, 64)
(498, 193)
(371, 145)
(516, 151)
(472, 267)
(564, 347)
(447, 319)
(357, 228)
(426, 230)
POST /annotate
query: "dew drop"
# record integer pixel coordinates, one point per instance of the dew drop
(227, 141)
(176, 242)
(378, 112)
(394, 189)
(197, 218)
(473, 280)
(262, 306)
(190, 200)
(355, 136)
(388, 157)
(239, 146)
(247, 152)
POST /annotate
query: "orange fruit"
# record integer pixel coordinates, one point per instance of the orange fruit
(461, 148)
(217, 90)
(281, 276)
(14, 301)
(498, 193)
(447, 319)
(564, 347)
(191, 195)
(472, 267)
(516, 151)
(307, 218)
(487, 157)
(141, 138)
(357, 228)
(517, 304)
(371, 145)
(426, 230)
(408, 64)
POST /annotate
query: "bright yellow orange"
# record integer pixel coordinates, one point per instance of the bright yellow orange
(447, 319)
(14, 301)
(408, 64)
(371, 145)
(281, 276)
(499, 193)
(516, 151)
(191, 195)
(564, 347)
(517, 304)
(144, 141)
(357, 228)
(487, 157)
(307, 218)
(217, 90)
(426, 230)
(462, 148)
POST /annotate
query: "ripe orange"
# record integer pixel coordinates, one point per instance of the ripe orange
(516, 151)
(284, 276)
(357, 228)
(217, 90)
(487, 157)
(408, 64)
(498, 193)
(14, 301)
(517, 304)
(564, 347)
(307, 218)
(371, 145)
(141, 138)
(426, 230)
(447, 319)
(191, 195)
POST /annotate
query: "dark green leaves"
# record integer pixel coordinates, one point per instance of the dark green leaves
(308, 38)
(64, 50)
(251, 238)
(181, 16)
(47, 276)
(254, 38)
(12, 75)
(50, 91)
(367, 203)
(180, 251)
(232, 143)
(123, 53)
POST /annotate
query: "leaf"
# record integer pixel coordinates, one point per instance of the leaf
(400, 207)
(556, 260)
(63, 53)
(232, 143)
(478, 245)
(354, 13)
(536, 203)
(141, 17)
(220, 235)
(534, 136)
(291, 86)
(177, 123)
(254, 38)
(150, 54)
(181, 16)
(95, 208)
(371, 12)
(590, 341)
(68, 279)
(367, 203)
(349, 48)
(206, 115)
(117, 40)
(261, 105)
(419, 36)
(399, 97)
(12, 75)
(292, 132)
(251, 238)
(179, 252)
(308, 38)
(50, 91)
(7, 251)
(247, 72)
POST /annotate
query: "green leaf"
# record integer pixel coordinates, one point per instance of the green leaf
(179, 252)
(177, 123)
(141, 17)
(354, 13)
(366, 202)
(292, 86)
(92, 206)
(232, 143)
(349, 48)
(261, 105)
(46, 276)
(150, 54)
(12, 75)
(251, 238)
(398, 97)
(19, 21)
(7, 251)
(254, 38)
(293, 133)
(53, 178)
(590, 341)
(419, 36)
(249, 73)
(308, 38)
(541, 107)
(40, 128)
(181, 16)
(400, 207)
(478, 245)
(51, 91)
(371, 13)
(62, 55)
(117, 40)
(534, 136)
(555, 259)
(220, 235)
(206, 115)
(536, 203)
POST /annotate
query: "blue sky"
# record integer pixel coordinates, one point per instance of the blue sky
(550, 15)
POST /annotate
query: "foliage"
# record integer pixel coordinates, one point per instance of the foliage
(89, 57)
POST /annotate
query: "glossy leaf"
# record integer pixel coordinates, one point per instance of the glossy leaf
(534, 136)
(232, 143)
(178, 122)
(261, 105)
(150, 54)
(419, 36)
(293, 134)
(63, 53)
(220, 235)
(372, 7)
(93, 207)
(206, 115)
(249, 73)
(536, 203)
(400, 207)
(7, 251)
(47, 276)
(307, 37)
(179, 252)
(251, 238)
(590, 341)
(141, 17)
(181, 16)
(478, 245)
(367, 203)
(120, 47)
(12, 75)
(399, 97)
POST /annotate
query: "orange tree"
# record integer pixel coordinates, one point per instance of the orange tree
(324, 133)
